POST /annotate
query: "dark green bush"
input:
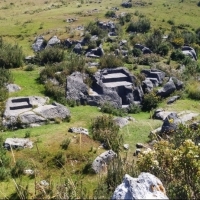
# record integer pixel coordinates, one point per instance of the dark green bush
(198, 4)
(11, 56)
(136, 52)
(50, 55)
(163, 49)
(142, 26)
(65, 143)
(19, 168)
(177, 55)
(59, 159)
(110, 13)
(150, 101)
(108, 108)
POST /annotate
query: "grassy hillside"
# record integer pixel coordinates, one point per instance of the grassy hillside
(20, 22)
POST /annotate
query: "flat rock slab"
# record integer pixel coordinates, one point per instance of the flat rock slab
(18, 142)
(116, 84)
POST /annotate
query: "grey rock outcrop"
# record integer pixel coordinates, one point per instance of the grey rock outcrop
(17, 143)
(167, 89)
(173, 99)
(13, 88)
(116, 86)
(53, 41)
(161, 114)
(100, 163)
(78, 48)
(76, 88)
(170, 124)
(39, 44)
(146, 186)
(32, 111)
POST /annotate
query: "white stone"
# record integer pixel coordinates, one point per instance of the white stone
(146, 186)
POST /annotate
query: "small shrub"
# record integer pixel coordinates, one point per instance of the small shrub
(177, 55)
(150, 101)
(110, 13)
(19, 168)
(30, 67)
(110, 61)
(198, 4)
(65, 143)
(27, 134)
(134, 108)
(171, 22)
(59, 159)
(108, 108)
(50, 55)
(148, 59)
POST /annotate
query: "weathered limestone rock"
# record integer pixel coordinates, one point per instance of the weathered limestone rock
(13, 88)
(161, 114)
(17, 142)
(173, 99)
(76, 88)
(32, 111)
(100, 163)
(146, 186)
(53, 41)
(121, 121)
(38, 44)
(78, 130)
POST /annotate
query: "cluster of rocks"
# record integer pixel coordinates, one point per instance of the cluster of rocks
(171, 121)
(99, 165)
(118, 87)
(41, 44)
(78, 130)
(32, 111)
(146, 186)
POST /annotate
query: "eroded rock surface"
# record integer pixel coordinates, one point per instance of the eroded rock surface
(32, 111)
(100, 163)
(146, 186)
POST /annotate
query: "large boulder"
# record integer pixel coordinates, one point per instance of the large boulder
(39, 44)
(76, 88)
(53, 41)
(32, 111)
(170, 124)
(167, 89)
(100, 163)
(147, 85)
(146, 186)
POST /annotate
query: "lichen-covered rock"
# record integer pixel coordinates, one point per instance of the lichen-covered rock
(146, 186)
(100, 163)
(167, 89)
(170, 123)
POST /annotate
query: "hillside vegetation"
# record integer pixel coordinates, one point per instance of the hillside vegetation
(64, 159)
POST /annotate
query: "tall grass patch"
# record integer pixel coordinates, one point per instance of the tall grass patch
(193, 90)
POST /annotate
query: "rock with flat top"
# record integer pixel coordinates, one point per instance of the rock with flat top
(13, 88)
(146, 186)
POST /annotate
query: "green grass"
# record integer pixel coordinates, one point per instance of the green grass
(28, 81)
